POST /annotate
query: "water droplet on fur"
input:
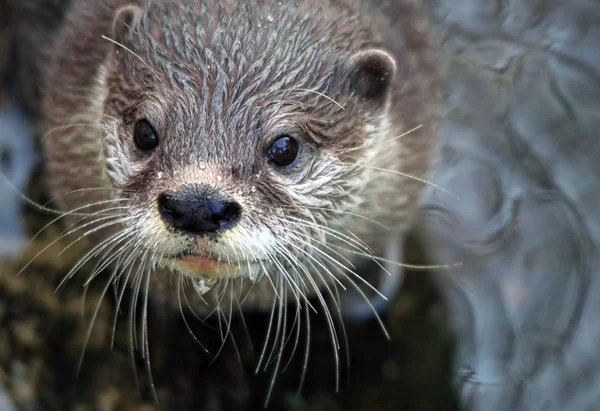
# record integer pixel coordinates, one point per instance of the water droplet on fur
(270, 18)
(203, 285)
(252, 275)
(253, 189)
(219, 178)
(202, 165)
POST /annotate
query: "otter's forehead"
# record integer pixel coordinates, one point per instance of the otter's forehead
(264, 45)
(227, 73)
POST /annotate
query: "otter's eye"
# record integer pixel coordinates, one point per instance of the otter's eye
(144, 136)
(283, 151)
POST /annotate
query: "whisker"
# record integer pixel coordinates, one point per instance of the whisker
(306, 352)
(79, 191)
(31, 202)
(297, 327)
(191, 309)
(92, 321)
(333, 233)
(146, 344)
(179, 291)
(137, 282)
(245, 325)
(267, 337)
(334, 210)
(321, 95)
(68, 126)
(283, 272)
(409, 176)
(127, 266)
(294, 263)
(130, 51)
(101, 265)
(60, 237)
(403, 134)
(281, 326)
(92, 253)
(119, 220)
(335, 344)
(399, 264)
(227, 322)
(278, 324)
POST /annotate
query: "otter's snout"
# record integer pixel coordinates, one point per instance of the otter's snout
(198, 210)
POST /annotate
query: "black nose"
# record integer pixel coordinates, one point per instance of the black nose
(198, 212)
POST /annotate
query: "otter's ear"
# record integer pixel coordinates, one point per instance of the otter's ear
(372, 73)
(125, 22)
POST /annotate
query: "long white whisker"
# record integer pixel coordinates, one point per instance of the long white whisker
(65, 234)
(400, 173)
(180, 290)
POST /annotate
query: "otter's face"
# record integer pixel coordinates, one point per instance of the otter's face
(239, 154)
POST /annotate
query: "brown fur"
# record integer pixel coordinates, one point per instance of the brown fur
(219, 80)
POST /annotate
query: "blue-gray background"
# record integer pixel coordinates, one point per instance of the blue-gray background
(521, 148)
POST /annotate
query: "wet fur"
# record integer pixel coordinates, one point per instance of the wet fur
(219, 81)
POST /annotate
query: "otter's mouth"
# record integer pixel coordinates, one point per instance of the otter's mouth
(197, 265)
(206, 271)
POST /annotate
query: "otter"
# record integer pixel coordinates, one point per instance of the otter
(247, 152)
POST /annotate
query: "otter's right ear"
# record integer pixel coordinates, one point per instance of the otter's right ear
(372, 73)
(125, 22)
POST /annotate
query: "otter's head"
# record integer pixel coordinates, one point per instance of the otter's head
(238, 133)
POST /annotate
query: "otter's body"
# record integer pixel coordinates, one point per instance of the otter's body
(255, 142)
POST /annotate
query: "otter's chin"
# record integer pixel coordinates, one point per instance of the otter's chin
(198, 266)
(201, 266)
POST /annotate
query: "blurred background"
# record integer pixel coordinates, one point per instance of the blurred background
(515, 327)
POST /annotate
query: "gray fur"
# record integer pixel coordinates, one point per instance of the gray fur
(219, 80)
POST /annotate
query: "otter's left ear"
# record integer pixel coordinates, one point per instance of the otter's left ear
(372, 73)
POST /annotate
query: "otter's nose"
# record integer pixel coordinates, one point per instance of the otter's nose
(198, 212)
